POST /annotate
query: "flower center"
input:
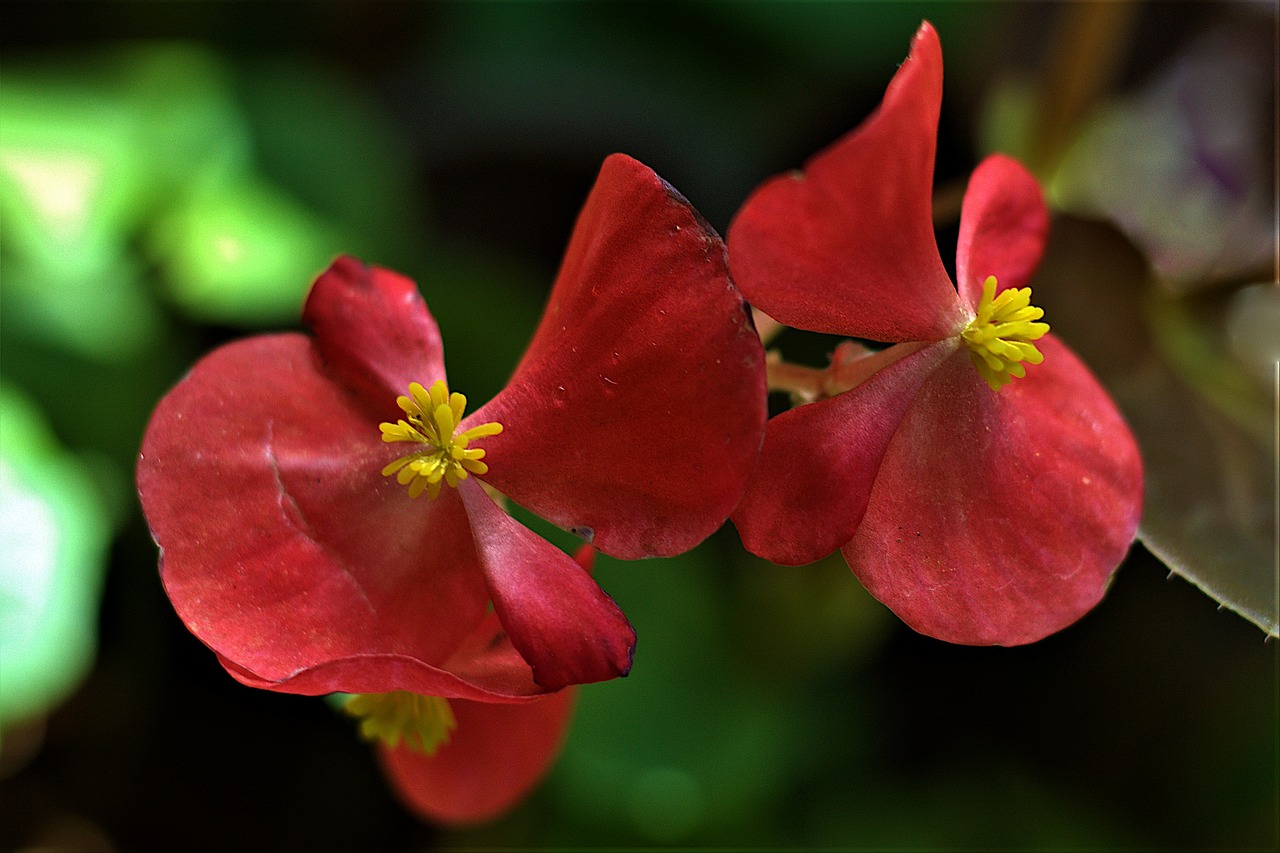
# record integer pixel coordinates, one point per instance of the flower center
(422, 722)
(432, 418)
(1000, 336)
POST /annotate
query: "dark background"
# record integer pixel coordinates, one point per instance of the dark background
(768, 706)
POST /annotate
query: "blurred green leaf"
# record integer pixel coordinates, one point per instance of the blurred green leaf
(191, 132)
(325, 143)
(1192, 336)
(89, 151)
(1209, 498)
(53, 543)
(242, 253)
(463, 289)
(533, 84)
(71, 182)
(1205, 429)
(101, 312)
(1200, 415)
(853, 38)
(688, 743)
(1251, 321)
(70, 188)
(983, 806)
(1181, 165)
(809, 621)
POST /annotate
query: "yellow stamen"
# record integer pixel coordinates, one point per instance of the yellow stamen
(433, 416)
(424, 723)
(1000, 336)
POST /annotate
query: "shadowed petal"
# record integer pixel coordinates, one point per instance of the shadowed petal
(485, 668)
(819, 462)
(1003, 228)
(283, 548)
(373, 332)
(847, 246)
(636, 415)
(494, 757)
(999, 517)
(559, 619)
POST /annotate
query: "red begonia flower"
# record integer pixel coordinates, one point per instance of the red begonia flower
(978, 515)
(485, 757)
(493, 758)
(289, 547)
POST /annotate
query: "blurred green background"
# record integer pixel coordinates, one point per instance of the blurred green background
(174, 175)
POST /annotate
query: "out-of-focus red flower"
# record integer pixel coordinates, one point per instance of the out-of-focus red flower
(634, 418)
(494, 757)
(484, 759)
(975, 476)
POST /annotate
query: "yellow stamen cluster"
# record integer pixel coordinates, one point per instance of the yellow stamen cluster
(432, 418)
(1000, 336)
(424, 723)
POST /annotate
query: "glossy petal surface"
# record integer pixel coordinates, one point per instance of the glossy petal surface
(637, 413)
(283, 547)
(558, 618)
(847, 246)
(999, 517)
(820, 461)
(373, 332)
(494, 757)
(1003, 228)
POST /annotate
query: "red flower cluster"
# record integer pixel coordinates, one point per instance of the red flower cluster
(269, 475)
(331, 519)
(981, 506)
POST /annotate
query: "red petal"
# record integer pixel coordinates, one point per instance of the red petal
(494, 758)
(486, 668)
(637, 413)
(819, 462)
(374, 332)
(1003, 227)
(284, 548)
(999, 517)
(847, 246)
(559, 619)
